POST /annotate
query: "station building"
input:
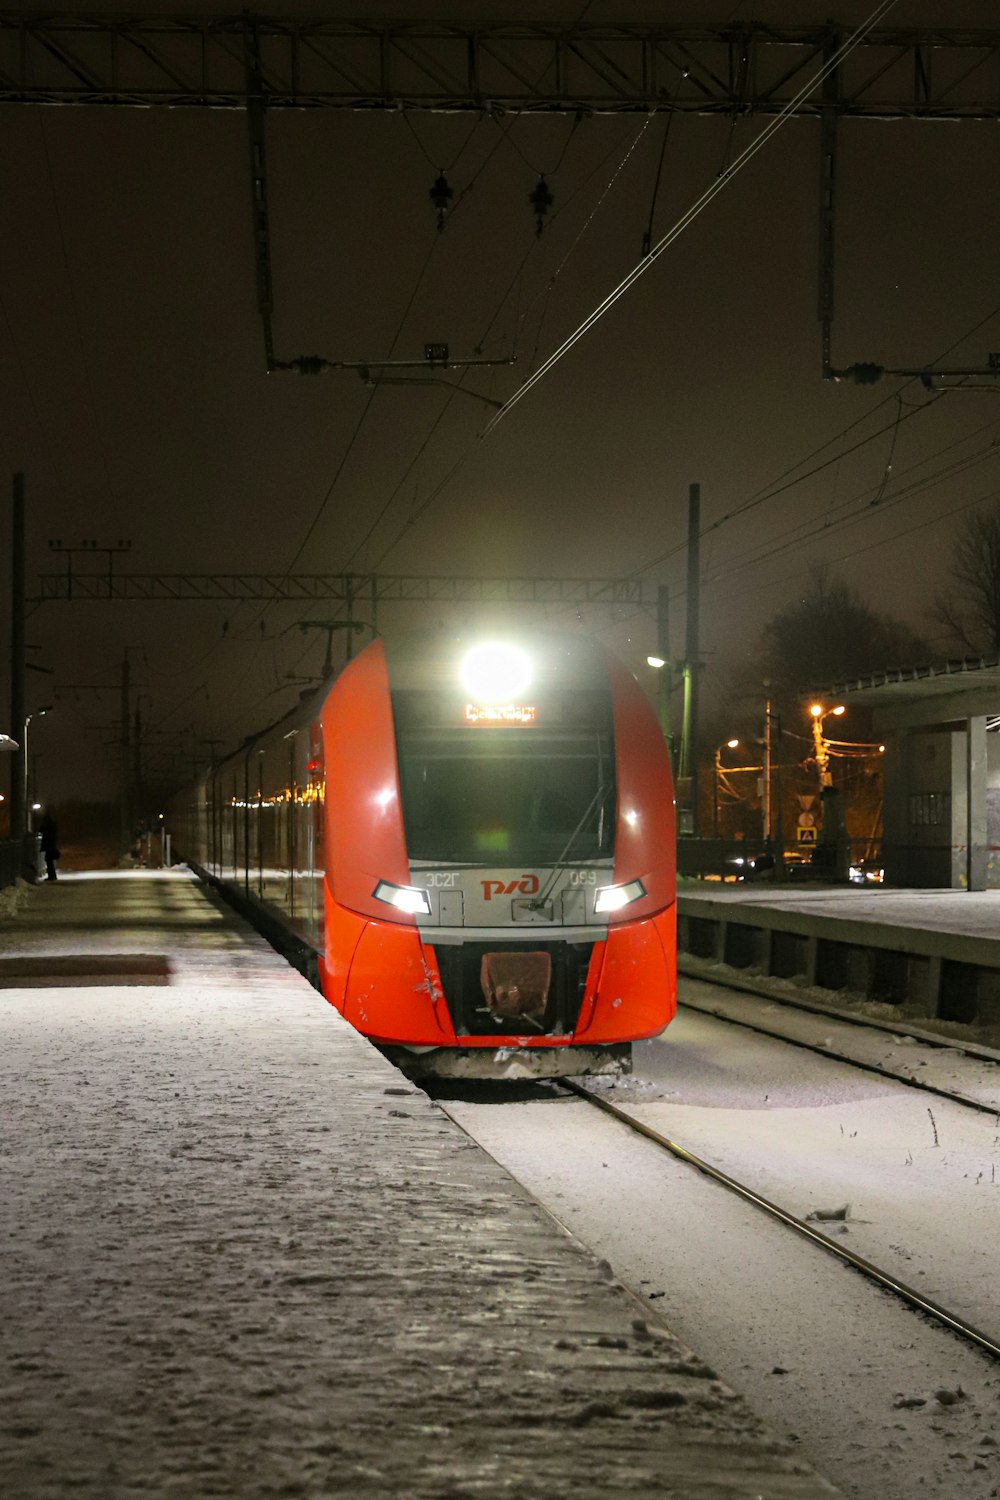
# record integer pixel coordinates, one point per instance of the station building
(941, 811)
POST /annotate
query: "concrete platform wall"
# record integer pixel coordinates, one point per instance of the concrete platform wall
(947, 976)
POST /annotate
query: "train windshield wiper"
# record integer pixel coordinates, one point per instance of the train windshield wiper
(593, 806)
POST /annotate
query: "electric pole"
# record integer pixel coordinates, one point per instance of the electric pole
(125, 825)
(766, 788)
(18, 761)
(664, 681)
(689, 733)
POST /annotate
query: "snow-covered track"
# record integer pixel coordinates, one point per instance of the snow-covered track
(867, 1268)
(907, 1293)
(987, 1103)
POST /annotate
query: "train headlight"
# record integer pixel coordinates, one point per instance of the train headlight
(404, 898)
(614, 897)
(495, 672)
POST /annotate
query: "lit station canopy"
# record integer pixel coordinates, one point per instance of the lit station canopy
(951, 690)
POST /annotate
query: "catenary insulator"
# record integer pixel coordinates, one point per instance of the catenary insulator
(541, 201)
(441, 195)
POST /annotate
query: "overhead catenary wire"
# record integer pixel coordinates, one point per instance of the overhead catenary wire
(856, 37)
(762, 497)
(481, 342)
(453, 163)
(808, 531)
(339, 470)
(785, 481)
(991, 496)
(355, 435)
(473, 441)
(778, 486)
(584, 228)
(692, 213)
(532, 249)
(647, 238)
(533, 246)
(364, 414)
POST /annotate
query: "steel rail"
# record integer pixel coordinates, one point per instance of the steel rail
(901, 1289)
(836, 1056)
(739, 985)
(854, 1062)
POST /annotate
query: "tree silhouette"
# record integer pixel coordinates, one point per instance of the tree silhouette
(830, 636)
(970, 610)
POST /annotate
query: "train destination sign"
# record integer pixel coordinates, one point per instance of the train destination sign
(500, 713)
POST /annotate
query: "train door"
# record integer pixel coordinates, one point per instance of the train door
(317, 801)
(214, 825)
(291, 827)
(255, 881)
(227, 825)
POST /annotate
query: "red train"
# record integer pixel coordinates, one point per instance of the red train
(476, 839)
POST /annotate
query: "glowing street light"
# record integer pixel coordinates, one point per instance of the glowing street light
(726, 745)
(39, 713)
(821, 750)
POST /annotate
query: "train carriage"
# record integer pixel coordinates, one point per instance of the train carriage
(476, 838)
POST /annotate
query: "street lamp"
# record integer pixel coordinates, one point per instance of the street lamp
(821, 752)
(664, 686)
(39, 713)
(832, 852)
(726, 745)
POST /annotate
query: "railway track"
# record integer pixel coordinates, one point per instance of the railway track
(901, 1289)
(891, 1031)
(889, 1380)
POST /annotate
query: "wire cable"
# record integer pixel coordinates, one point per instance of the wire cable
(828, 527)
(473, 442)
(647, 238)
(692, 213)
(990, 496)
(434, 165)
(784, 481)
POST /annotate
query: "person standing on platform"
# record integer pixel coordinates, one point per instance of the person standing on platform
(49, 834)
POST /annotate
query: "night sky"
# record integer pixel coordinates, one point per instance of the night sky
(133, 391)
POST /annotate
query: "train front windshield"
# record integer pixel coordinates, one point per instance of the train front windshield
(507, 796)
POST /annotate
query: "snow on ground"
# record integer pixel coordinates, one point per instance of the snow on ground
(821, 1353)
(971, 913)
(893, 1048)
(921, 1174)
(243, 1257)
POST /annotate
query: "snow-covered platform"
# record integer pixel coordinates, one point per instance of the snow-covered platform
(936, 953)
(243, 1257)
(960, 913)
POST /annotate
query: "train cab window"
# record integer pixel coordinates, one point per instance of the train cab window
(507, 797)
